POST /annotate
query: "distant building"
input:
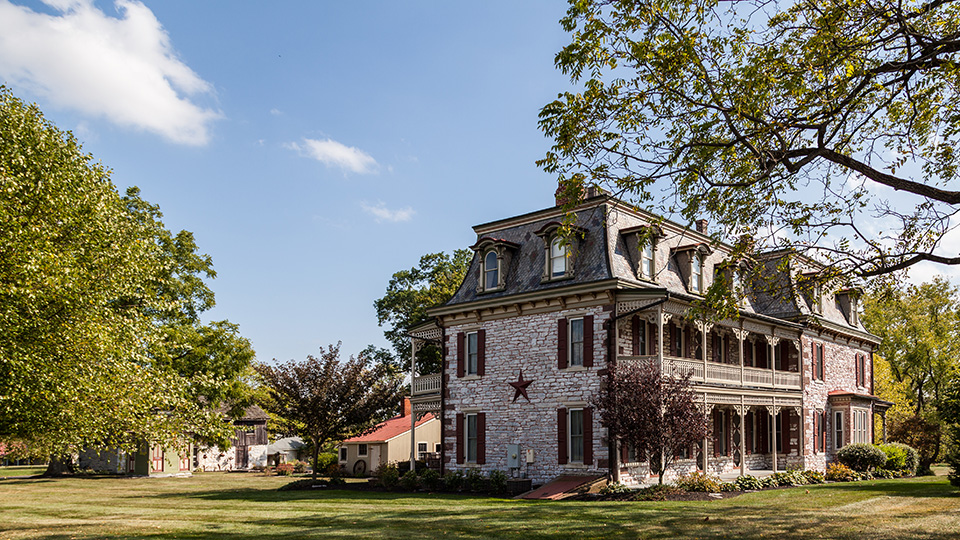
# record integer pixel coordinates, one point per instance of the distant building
(390, 443)
(248, 445)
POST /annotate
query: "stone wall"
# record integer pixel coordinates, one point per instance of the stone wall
(528, 343)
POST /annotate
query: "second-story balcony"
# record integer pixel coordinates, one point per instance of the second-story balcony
(426, 384)
(715, 373)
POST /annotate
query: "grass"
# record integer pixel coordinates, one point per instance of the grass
(235, 506)
(21, 470)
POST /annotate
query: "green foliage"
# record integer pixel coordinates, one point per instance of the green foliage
(409, 294)
(790, 478)
(861, 456)
(747, 482)
(388, 476)
(896, 456)
(474, 481)
(431, 480)
(299, 467)
(100, 338)
(728, 486)
(453, 481)
(658, 492)
(703, 102)
(497, 481)
(698, 481)
(838, 472)
(814, 477)
(409, 481)
(922, 432)
(885, 473)
(614, 488)
(326, 460)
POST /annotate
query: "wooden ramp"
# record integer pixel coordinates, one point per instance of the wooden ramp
(561, 487)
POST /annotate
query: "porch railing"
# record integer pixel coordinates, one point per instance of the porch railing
(721, 373)
(426, 384)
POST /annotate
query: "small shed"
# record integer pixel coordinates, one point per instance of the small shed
(389, 442)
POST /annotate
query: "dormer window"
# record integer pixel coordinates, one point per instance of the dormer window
(559, 250)
(817, 292)
(558, 258)
(494, 257)
(491, 271)
(696, 274)
(647, 268)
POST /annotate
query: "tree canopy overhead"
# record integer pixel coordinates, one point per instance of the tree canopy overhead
(824, 126)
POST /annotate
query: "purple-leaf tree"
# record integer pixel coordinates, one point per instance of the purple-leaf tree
(655, 414)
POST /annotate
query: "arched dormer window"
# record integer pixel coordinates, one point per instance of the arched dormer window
(641, 243)
(691, 260)
(494, 255)
(696, 274)
(491, 270)
(559, 251)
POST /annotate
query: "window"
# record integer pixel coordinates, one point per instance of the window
(719, 433)
(778, 431)
(422, 447)
(471, 438)
(817, 299)
(437, 447)
(647, 267)
(696, 274)
(472, 353)
(491, 271)
(156, 459)
(861, 431)
(677, 341)
(343, 453)
(558, 258)
(861, 369)
(576, 435)
(576, 342)
(361, 449)
(838, 430)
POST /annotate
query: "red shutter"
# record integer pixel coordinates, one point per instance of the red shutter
(748, 432)
(785, 431)
(481, 438)
(588, 436)
(562, 436)
(562, 343)
(461, 341)
(823, 431)
(716, 434)
(460, 437)
(762, 426)
(729, 431)
(588, 341)
(481, 350)
(816, 432)
(635, 330)
(856, 369)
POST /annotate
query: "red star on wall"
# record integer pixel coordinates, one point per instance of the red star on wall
(521, 387)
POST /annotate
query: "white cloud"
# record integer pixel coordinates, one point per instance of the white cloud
(381, 213)
(121, 68)
(276, 112)
(334, 154)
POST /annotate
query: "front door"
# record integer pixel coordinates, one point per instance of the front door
(374, 458)
(242, 455)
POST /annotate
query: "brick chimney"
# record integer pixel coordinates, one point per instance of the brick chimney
(702, 226)
(406, 407)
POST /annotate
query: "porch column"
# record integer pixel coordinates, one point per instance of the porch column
(742, 411)
(883, 425)
(660, 336)
(704, 328)
(801, 427)
(773, 411)
(740, 334)
(706, 411)
(413, 415)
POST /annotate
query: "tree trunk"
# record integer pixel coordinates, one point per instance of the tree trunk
(60, 466)
(316, 458)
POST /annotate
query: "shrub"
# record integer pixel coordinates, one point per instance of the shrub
(861, 456)
(333, 470)
(326, 459)
(768, 482)
(299, 467)
(285, 469)
(728, 486)
(789, 478)
(896, 457)
(388, 476)
(748, 482)
(430, 480)
(498, 482)
(614, 488)
(884, 473)
(863, 475)
(911, 460)
(698, 481)
(838, 472)
(814, 477)
(474, 480)
(453, 481)
(409, 481)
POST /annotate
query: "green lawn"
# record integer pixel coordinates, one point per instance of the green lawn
(21, 470)
(219, 505)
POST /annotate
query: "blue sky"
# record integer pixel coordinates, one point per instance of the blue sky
(313, 148)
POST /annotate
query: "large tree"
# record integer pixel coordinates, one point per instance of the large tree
(84, 280)
(654, 413)
(410, 293)
(325, 399)
(824, 126)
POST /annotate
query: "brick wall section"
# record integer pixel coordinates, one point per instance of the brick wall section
(527, 342)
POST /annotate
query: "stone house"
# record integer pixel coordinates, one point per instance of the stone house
(248, 445)
(528, 335)
(149, 460)
(390, 442)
